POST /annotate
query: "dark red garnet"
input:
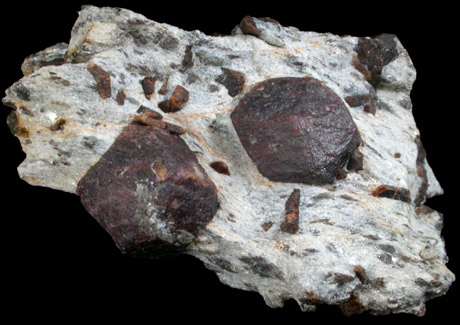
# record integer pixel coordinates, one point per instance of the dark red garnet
(296, 130)
(149, 192)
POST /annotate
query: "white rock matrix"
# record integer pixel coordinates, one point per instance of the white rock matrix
(362, 240)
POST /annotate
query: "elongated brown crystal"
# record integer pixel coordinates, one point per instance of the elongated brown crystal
(291, 218)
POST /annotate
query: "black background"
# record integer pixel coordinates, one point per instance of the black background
(56, 260)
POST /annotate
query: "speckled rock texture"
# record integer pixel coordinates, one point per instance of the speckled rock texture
(355, 234)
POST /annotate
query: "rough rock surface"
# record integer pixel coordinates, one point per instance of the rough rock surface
(364, 242)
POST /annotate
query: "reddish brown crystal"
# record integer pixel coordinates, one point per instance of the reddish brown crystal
(267, 225)
(368, 101)
(121, 97)
(178, 98)
(232, 80)
(174, 129)
(148, 86)
(392, 192)
(149, 112)
(149, 191)
(296, 130)
(147, 120)
(361, 273)
(59, 125)
(291, 218)
(102, 78)
(356, 161)
(187, 60)
(220, 167)
(352, 306)
(373, 55)
(248, 26)
(15, 125)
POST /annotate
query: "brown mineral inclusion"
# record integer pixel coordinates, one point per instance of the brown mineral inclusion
(392, 192)
(102, 79)
(232, 80)
(291, 219)
(174, 104)
(149, 192)
(373, 55)
(296, 130)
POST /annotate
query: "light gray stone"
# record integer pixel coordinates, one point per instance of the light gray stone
(68, 126)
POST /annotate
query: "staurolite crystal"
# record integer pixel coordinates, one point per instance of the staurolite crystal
(288, 162)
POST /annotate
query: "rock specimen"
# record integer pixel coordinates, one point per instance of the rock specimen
(289, 162)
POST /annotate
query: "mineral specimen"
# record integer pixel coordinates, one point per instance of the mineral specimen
(288, 162)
